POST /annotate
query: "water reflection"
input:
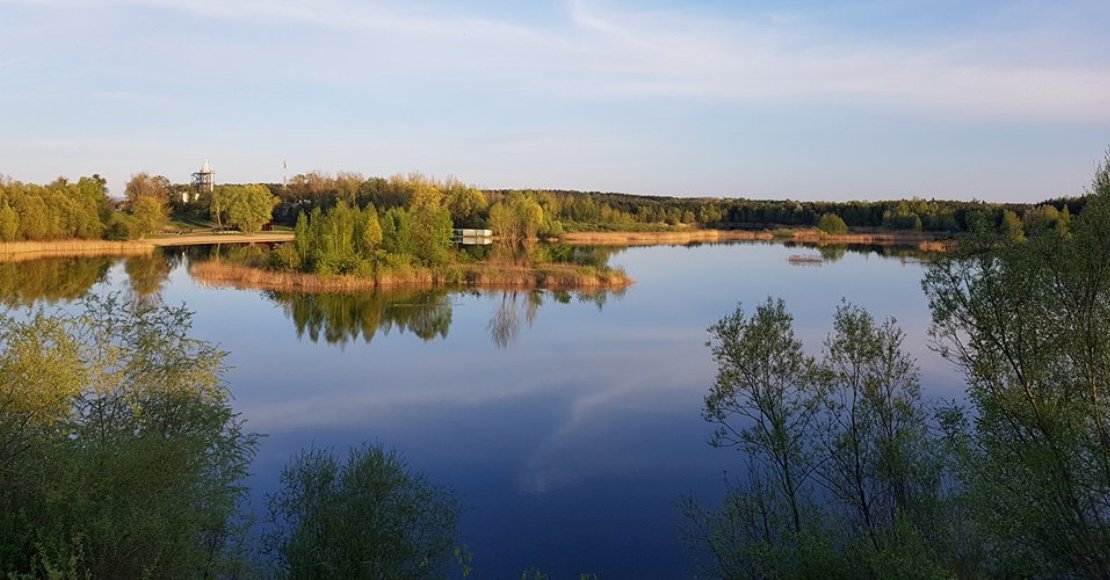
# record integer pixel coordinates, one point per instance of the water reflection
(343, 318)
(148, 274)
(50, 279)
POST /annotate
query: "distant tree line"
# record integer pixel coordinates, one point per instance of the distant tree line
(61, 209)
(560, 210)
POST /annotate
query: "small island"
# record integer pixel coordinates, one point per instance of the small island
(354, 249)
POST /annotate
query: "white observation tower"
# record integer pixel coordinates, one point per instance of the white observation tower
(204, 181)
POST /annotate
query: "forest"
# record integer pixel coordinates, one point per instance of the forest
(151, 204)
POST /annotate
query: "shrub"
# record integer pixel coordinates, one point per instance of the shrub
(368, 517)
(832, 224)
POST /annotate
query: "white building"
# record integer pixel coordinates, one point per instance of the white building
(204, 181)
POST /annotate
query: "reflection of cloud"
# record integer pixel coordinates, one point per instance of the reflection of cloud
(571, 453)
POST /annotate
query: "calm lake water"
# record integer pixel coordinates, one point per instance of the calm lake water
(568, 424)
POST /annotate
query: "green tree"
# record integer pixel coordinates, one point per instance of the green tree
(467, 205)
(1011, 226)
(129, 458)
(371, 231)
(151, 214)
(9, 223)
(832, 224)
(1026, 322)
(843, 475)
(368, 517)
(429, 227)
(248, 207)
(762, 401)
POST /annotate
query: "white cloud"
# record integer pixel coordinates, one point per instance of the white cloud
(612, 54)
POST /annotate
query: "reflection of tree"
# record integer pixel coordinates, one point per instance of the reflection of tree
(340, 318)
(515, 305)
(343, 318)
(147, 273)
(832, 252)
(50, 279)
(504, 327)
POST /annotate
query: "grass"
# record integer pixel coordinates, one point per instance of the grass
(190, 223)
(485, 275)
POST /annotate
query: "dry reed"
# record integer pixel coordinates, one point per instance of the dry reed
(23, 251)
(652, 238)
(881, 238)
(486, 276)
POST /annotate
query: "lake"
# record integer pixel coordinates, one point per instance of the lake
(569, 424)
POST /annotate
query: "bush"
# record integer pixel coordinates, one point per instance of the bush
(368, 517)
(121, 456)
(121, 226)
(832, 224)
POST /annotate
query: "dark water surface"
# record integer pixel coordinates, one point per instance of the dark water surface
(569, 424)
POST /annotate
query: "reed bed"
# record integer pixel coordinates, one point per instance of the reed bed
(490, 276)
(652, 238)
(24, 251)
(880, 238)
(936, 246)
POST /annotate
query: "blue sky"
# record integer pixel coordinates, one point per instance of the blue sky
(1005, 101)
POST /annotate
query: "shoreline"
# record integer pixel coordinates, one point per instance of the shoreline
(477, 276)
(21, 251)
(632, 238)
(658, 238)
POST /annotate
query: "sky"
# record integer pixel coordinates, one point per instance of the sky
(799, 99)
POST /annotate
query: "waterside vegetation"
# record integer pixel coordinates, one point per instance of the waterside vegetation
(851, 474)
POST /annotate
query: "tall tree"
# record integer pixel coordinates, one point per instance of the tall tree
(1026, 322)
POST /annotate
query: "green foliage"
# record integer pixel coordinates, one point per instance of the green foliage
(367, 517)
(350, 240)
(1026, 321)
(58, 210)
(843, 479)
(396, 238)
(518, 218)
(372, 234)
(429, 230)
(1011, 227)
(121, 226)
(832, 224)
(467, 205)
(764, 378)
(247, 207)
(121, 456)
(150, 215)
(9, 223)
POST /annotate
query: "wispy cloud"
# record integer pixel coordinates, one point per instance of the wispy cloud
(624, 53)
